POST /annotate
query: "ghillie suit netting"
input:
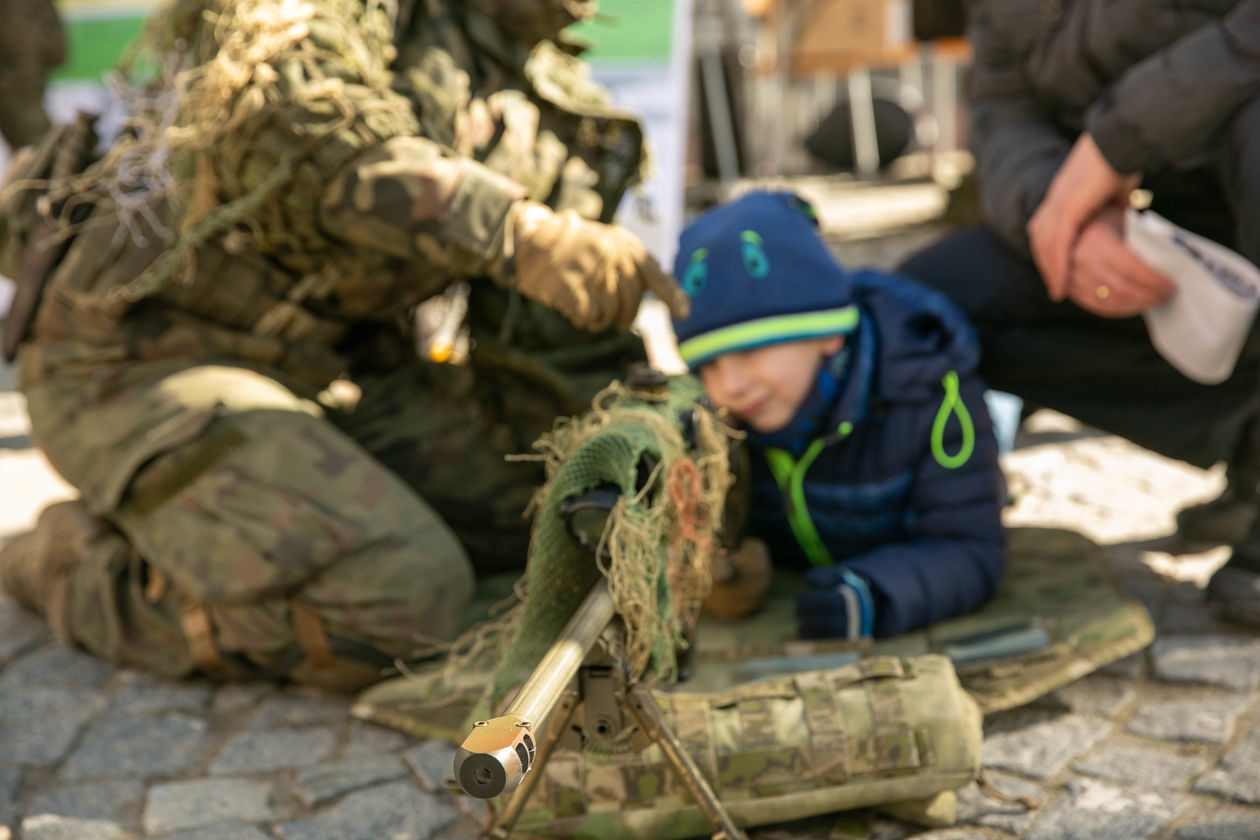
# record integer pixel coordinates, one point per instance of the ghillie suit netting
(198, 158)
(668, 461)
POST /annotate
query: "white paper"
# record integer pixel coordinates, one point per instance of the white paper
(1202, 328)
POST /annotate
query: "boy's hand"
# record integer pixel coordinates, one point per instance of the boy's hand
(594, 274)
(835, 604)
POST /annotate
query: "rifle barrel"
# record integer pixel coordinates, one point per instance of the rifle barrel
(498, 753)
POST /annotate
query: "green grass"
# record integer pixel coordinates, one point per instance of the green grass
(94, 45)
(626, 29)
(630, 29)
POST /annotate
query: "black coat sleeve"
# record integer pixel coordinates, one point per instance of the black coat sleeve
(1017, 147)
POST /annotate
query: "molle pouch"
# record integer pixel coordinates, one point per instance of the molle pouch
(882, 732)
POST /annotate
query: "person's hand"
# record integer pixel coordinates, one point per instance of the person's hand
(1107, 277)
(835, 604)
(592, 273)
(1084, 184)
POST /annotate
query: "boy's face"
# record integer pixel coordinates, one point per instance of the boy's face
(766, 386)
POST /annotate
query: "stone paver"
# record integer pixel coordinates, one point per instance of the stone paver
(1238, 775)
(110, 800)
(1209, 719)
(398, 810)
(323, 782)
(1228, 661)
(1043, 749)
(1143, 767)
(1151, 748)
(370, 739)
(19, 631)
(57, 666)
(39, 725)
(10, 781)
(96, 811)
(977, 808)
(204, 802)
(226, 831)
(260, 752)
(145, 694)
(299, 710)
(1096, 695)
(239, 697)
(139, 746)
(433, 761)
(1218, 826)
(53, 827)
(1090, 808)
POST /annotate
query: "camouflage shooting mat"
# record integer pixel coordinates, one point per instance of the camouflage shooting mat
(1059, 615)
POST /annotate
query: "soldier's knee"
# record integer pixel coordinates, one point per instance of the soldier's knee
(399, 593)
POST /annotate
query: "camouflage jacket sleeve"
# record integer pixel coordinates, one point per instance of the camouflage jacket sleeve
(364, 178)
(414, 199)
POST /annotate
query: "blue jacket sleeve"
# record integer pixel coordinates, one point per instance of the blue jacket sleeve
(955, 556)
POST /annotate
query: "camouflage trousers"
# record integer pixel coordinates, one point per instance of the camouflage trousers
(256, 532)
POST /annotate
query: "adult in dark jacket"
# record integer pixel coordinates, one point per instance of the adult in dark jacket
(874, 461)
(1073, 104)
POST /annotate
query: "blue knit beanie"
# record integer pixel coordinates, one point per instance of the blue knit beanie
(758, 273)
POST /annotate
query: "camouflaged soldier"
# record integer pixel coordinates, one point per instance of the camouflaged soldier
(32, 43)
(303, 174)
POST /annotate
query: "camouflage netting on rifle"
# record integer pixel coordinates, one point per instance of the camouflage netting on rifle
(658, 539)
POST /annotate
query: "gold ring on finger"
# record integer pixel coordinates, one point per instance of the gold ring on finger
(1102, 291)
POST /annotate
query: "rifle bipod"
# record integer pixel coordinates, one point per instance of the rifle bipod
(501, 756)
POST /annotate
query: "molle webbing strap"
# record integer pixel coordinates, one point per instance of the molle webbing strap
(888, 713)
(893, 744)
(828, 740)
(308, 627)
(756, 721)
(198, 630)
(155, 584)
(694, 729)
(196, 459)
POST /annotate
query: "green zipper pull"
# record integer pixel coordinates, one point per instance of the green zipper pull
(952, 404)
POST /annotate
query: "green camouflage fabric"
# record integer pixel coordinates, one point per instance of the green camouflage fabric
(672, 482)
(899, 733)
(1059, 614)
(300, 176)
(884, 730)
(32, 43)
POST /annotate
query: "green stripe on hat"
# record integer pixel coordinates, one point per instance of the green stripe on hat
(772, 330)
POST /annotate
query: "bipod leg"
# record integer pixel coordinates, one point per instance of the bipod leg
(556, 726)
(645, 710)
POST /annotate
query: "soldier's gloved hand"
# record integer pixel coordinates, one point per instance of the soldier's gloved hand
(835, 604)
(592, 273)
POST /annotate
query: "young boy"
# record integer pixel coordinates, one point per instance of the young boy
(874, 461)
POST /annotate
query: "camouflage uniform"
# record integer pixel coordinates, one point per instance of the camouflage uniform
(176, 384)
(31, 44)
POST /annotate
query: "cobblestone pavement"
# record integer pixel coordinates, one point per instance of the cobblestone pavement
(1162, 746)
